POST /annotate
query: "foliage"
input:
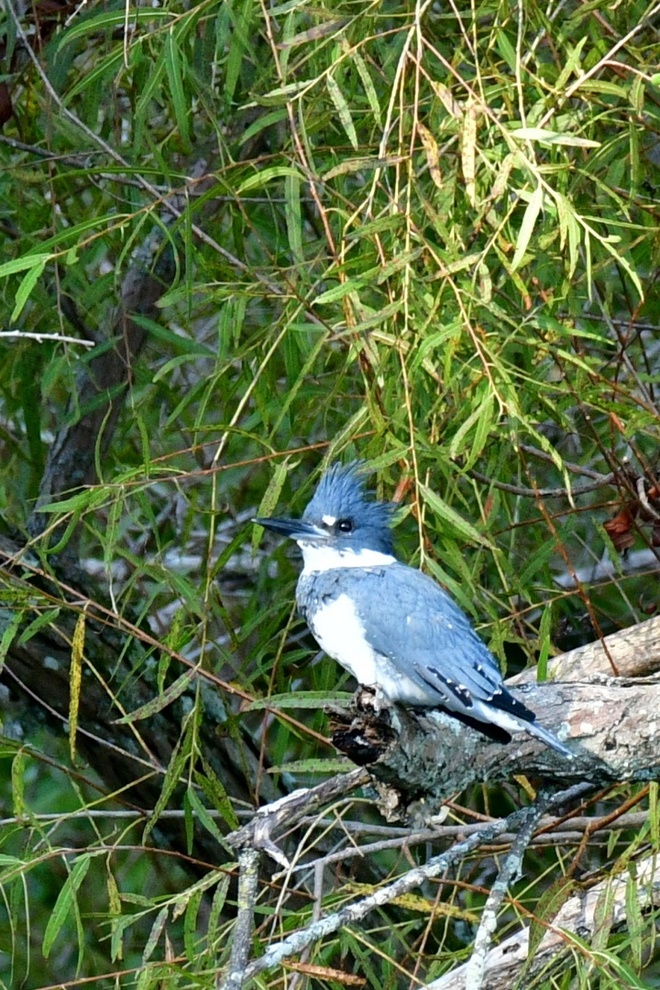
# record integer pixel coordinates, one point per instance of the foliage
(422, 236)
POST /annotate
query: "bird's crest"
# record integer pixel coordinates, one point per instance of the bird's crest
(342, 493)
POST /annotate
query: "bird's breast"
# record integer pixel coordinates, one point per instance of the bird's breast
(340, 633)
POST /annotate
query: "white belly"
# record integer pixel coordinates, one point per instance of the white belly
(341, 635)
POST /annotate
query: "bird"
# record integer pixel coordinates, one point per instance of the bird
(390, 625)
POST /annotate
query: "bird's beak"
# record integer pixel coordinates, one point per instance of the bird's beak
(295, 529)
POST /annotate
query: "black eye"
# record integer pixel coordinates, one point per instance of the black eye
(345, 526)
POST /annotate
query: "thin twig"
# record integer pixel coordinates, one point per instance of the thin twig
(476, 967)
(590, 486)
(287, 811)
(542, 455)
(248, 889)
(45, 338)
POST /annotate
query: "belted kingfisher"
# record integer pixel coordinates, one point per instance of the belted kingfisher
(389, 624)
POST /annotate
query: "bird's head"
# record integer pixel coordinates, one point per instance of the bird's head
(341, 517)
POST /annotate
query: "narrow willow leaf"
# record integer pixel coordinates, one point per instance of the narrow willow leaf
(546, 136)
(11, 627)
(75, 681)
(170, 694)
(350, 165)
(217, 795)
(314, 766)
(293, 215)
(154, 934)
(546, 910)
(271, 496)
(89, 27)
(24, 290)
(572, 66)
(603, 916)
(283, 94)
(456, 521)
(175, 78)
(634, 917)
(19, 806)
(469, 151)
(342, 109)
(339, 291)
(190, 931)
(171, 780)
(300, 699)
(217, 905)
(654, 814)
(236, 41)
(313, 33)
(545, 644)
(114, 907)
(42, 619)
(527, 226)
(481, 420)
(65, 903)
(27, 261)
(369, 88)
(203, 816)
(432, 153)
(265, 176)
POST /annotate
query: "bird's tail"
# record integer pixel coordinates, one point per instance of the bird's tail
(534, 729)
(515, 721)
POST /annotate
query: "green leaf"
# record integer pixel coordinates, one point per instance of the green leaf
(343, 110)
(66, 902)
(24, 290)
(301, 699)
(293, 214)
(216, 794)
(330, 766)
(27, 261)
(546, 136)
(527, 226)
(456, 521)
(155, 933)
(43, 619)
(266, 175)
(11, 628)
(175, 77)
(546, 910)
(161, 701)
(369, 88)
(173, 775)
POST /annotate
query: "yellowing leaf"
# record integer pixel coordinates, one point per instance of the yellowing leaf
(432, 153)
(527, 226)
(342, 109)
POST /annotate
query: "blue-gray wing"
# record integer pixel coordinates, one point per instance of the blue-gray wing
(409, 619)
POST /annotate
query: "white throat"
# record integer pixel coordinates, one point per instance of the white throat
(324, 558)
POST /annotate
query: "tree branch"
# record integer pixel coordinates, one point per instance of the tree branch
(611, 724)
(358, 910)
(248, 891)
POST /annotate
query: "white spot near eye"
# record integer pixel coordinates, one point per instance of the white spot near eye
(329, 520)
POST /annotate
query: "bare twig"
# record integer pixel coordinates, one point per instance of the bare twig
(511, 867)
(289, 810)
(45, 338)
(542, 455)
(561, 492)
(248, 890)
